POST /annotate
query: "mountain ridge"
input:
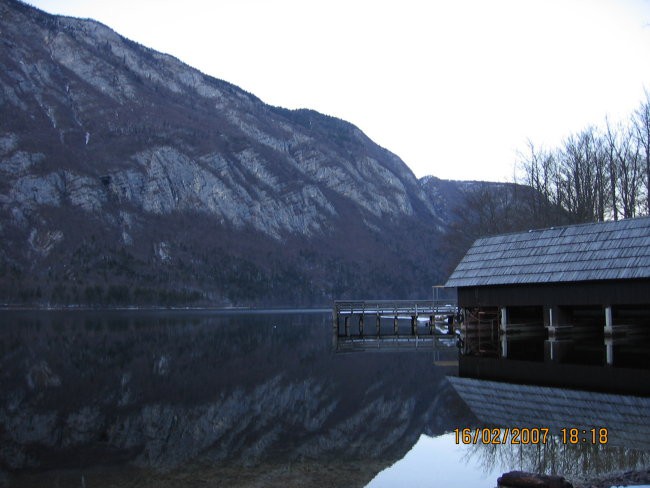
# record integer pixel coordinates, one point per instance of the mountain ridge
(131, 178)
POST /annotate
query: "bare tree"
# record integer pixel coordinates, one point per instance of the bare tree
(595, 175)
(628, 163)
(641, 122)
(580, 165)
(611, 158)
(541, 174)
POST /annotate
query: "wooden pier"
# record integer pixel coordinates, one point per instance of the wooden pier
(394, 323)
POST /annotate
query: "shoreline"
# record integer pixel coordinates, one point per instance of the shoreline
(284, 309)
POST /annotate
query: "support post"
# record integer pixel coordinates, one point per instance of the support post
(609, 336)
(504, 319)
(550, 343)
(361, 324)
(609, 326)
(378, 325)
(503, 330)
(395, 326)
(551, 322)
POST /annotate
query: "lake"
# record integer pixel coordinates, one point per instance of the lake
(204, 398)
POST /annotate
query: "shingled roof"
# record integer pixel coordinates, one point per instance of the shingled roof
(600, 251)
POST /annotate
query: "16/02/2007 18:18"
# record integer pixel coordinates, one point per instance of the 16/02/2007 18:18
(529, 435)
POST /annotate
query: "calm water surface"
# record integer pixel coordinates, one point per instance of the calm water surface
(170, 398)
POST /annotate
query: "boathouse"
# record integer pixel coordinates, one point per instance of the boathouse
(566, 298)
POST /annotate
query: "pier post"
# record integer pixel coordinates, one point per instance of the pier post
(432, 322)
(361, 324)
(378, 325)
(395, 326)
(414, 325)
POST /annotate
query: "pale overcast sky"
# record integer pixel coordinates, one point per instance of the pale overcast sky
(455, 88)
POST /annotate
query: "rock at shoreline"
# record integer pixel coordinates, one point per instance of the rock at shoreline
(521, 479)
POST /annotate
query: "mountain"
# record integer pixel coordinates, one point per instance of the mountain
(473, 209)
(128, 177)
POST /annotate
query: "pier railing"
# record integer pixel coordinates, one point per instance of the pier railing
(394, 307)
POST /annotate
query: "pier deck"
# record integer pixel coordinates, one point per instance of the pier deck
(393, 323)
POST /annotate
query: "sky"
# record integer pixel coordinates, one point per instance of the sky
(455, 88)
(438, 461)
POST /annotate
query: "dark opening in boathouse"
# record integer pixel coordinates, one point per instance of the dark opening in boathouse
(566, 306)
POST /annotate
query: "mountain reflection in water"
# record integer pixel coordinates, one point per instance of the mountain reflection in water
(171, 398)
(180, 398)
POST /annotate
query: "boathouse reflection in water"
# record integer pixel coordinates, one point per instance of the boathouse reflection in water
(626, 419)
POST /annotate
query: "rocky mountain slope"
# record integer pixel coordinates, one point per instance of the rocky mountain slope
(128, 177)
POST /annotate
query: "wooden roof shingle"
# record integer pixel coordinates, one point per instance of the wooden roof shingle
(600, 251)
